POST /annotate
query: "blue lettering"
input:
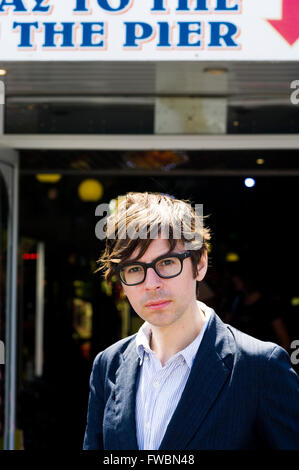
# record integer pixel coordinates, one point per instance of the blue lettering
(164, 35)
(222, 6)
(25, 32)
(89, 32)
(40, 7)
(226, 36)
(66, 32)
(132, 35)
(80, 5)
(186, 31)
(17, 4)
(106, 6)
(201, 5)
(158, 5)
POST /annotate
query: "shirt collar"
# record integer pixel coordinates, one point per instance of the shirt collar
(143, 340)
(144, 333)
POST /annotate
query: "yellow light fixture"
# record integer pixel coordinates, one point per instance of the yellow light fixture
(215, 70)
(48, 177)
(90, 190)
(232, 257)
(3, 72)
(260, 161)
(295, 301)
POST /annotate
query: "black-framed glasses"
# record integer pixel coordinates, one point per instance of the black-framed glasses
(132, 273)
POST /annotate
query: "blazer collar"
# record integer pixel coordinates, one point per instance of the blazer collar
(125, 393)
(210, 370)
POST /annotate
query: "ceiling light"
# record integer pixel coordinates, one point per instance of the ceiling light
(3, 72)
(90, 190)
(215, 71)
(48, 178)
(232, 257)
(155, 159)
(249, 182)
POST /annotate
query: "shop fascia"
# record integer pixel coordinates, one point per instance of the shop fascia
(85, 6)
(165, 34)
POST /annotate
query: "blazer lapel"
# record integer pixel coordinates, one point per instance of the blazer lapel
(125, 394)
(210, 370)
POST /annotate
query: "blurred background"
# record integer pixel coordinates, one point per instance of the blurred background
(232, 145)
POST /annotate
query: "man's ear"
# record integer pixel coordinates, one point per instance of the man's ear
(202, 266)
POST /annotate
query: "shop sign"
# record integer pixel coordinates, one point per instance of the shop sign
(129, 30)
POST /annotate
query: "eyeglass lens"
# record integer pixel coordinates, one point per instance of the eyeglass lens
(166, 267)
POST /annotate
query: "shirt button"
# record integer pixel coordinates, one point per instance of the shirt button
(147, 425)
(156, 384)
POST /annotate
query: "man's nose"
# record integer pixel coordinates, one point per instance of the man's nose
(152, 280)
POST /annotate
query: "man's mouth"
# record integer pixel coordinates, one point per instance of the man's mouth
(158, 304)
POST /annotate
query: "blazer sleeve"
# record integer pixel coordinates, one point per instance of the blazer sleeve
(93, 438)
(278, 416)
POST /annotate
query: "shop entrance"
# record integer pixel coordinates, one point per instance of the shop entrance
(82, 316)
(58, 245)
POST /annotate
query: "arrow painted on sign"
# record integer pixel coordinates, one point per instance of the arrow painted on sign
(288, 26)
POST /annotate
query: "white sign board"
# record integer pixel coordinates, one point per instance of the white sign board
(101, 30)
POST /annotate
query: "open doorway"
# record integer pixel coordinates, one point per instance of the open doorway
(82, 316)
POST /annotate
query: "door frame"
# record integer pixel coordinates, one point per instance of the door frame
(150, 142)
(9, 167)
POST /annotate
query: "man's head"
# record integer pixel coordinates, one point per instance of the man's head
(147, 226)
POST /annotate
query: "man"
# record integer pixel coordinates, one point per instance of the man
(186, 380)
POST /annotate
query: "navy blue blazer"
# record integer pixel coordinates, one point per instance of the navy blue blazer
(241, 393)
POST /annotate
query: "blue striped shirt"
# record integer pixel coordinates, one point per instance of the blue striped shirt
(160, 388)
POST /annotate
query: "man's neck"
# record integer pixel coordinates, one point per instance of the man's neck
(167, 341)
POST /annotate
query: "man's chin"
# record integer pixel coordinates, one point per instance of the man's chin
(160, 319)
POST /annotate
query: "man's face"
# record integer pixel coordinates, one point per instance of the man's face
(173, 298)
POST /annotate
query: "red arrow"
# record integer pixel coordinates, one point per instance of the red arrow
(288, 26)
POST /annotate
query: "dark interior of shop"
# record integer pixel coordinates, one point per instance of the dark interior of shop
(255, 227)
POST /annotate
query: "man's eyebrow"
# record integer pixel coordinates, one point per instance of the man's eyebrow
(134, 260)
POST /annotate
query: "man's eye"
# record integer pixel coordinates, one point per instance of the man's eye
(166, 262)
(133, 269)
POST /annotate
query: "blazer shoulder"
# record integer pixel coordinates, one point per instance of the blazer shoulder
(249, 346)
(112, 353)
